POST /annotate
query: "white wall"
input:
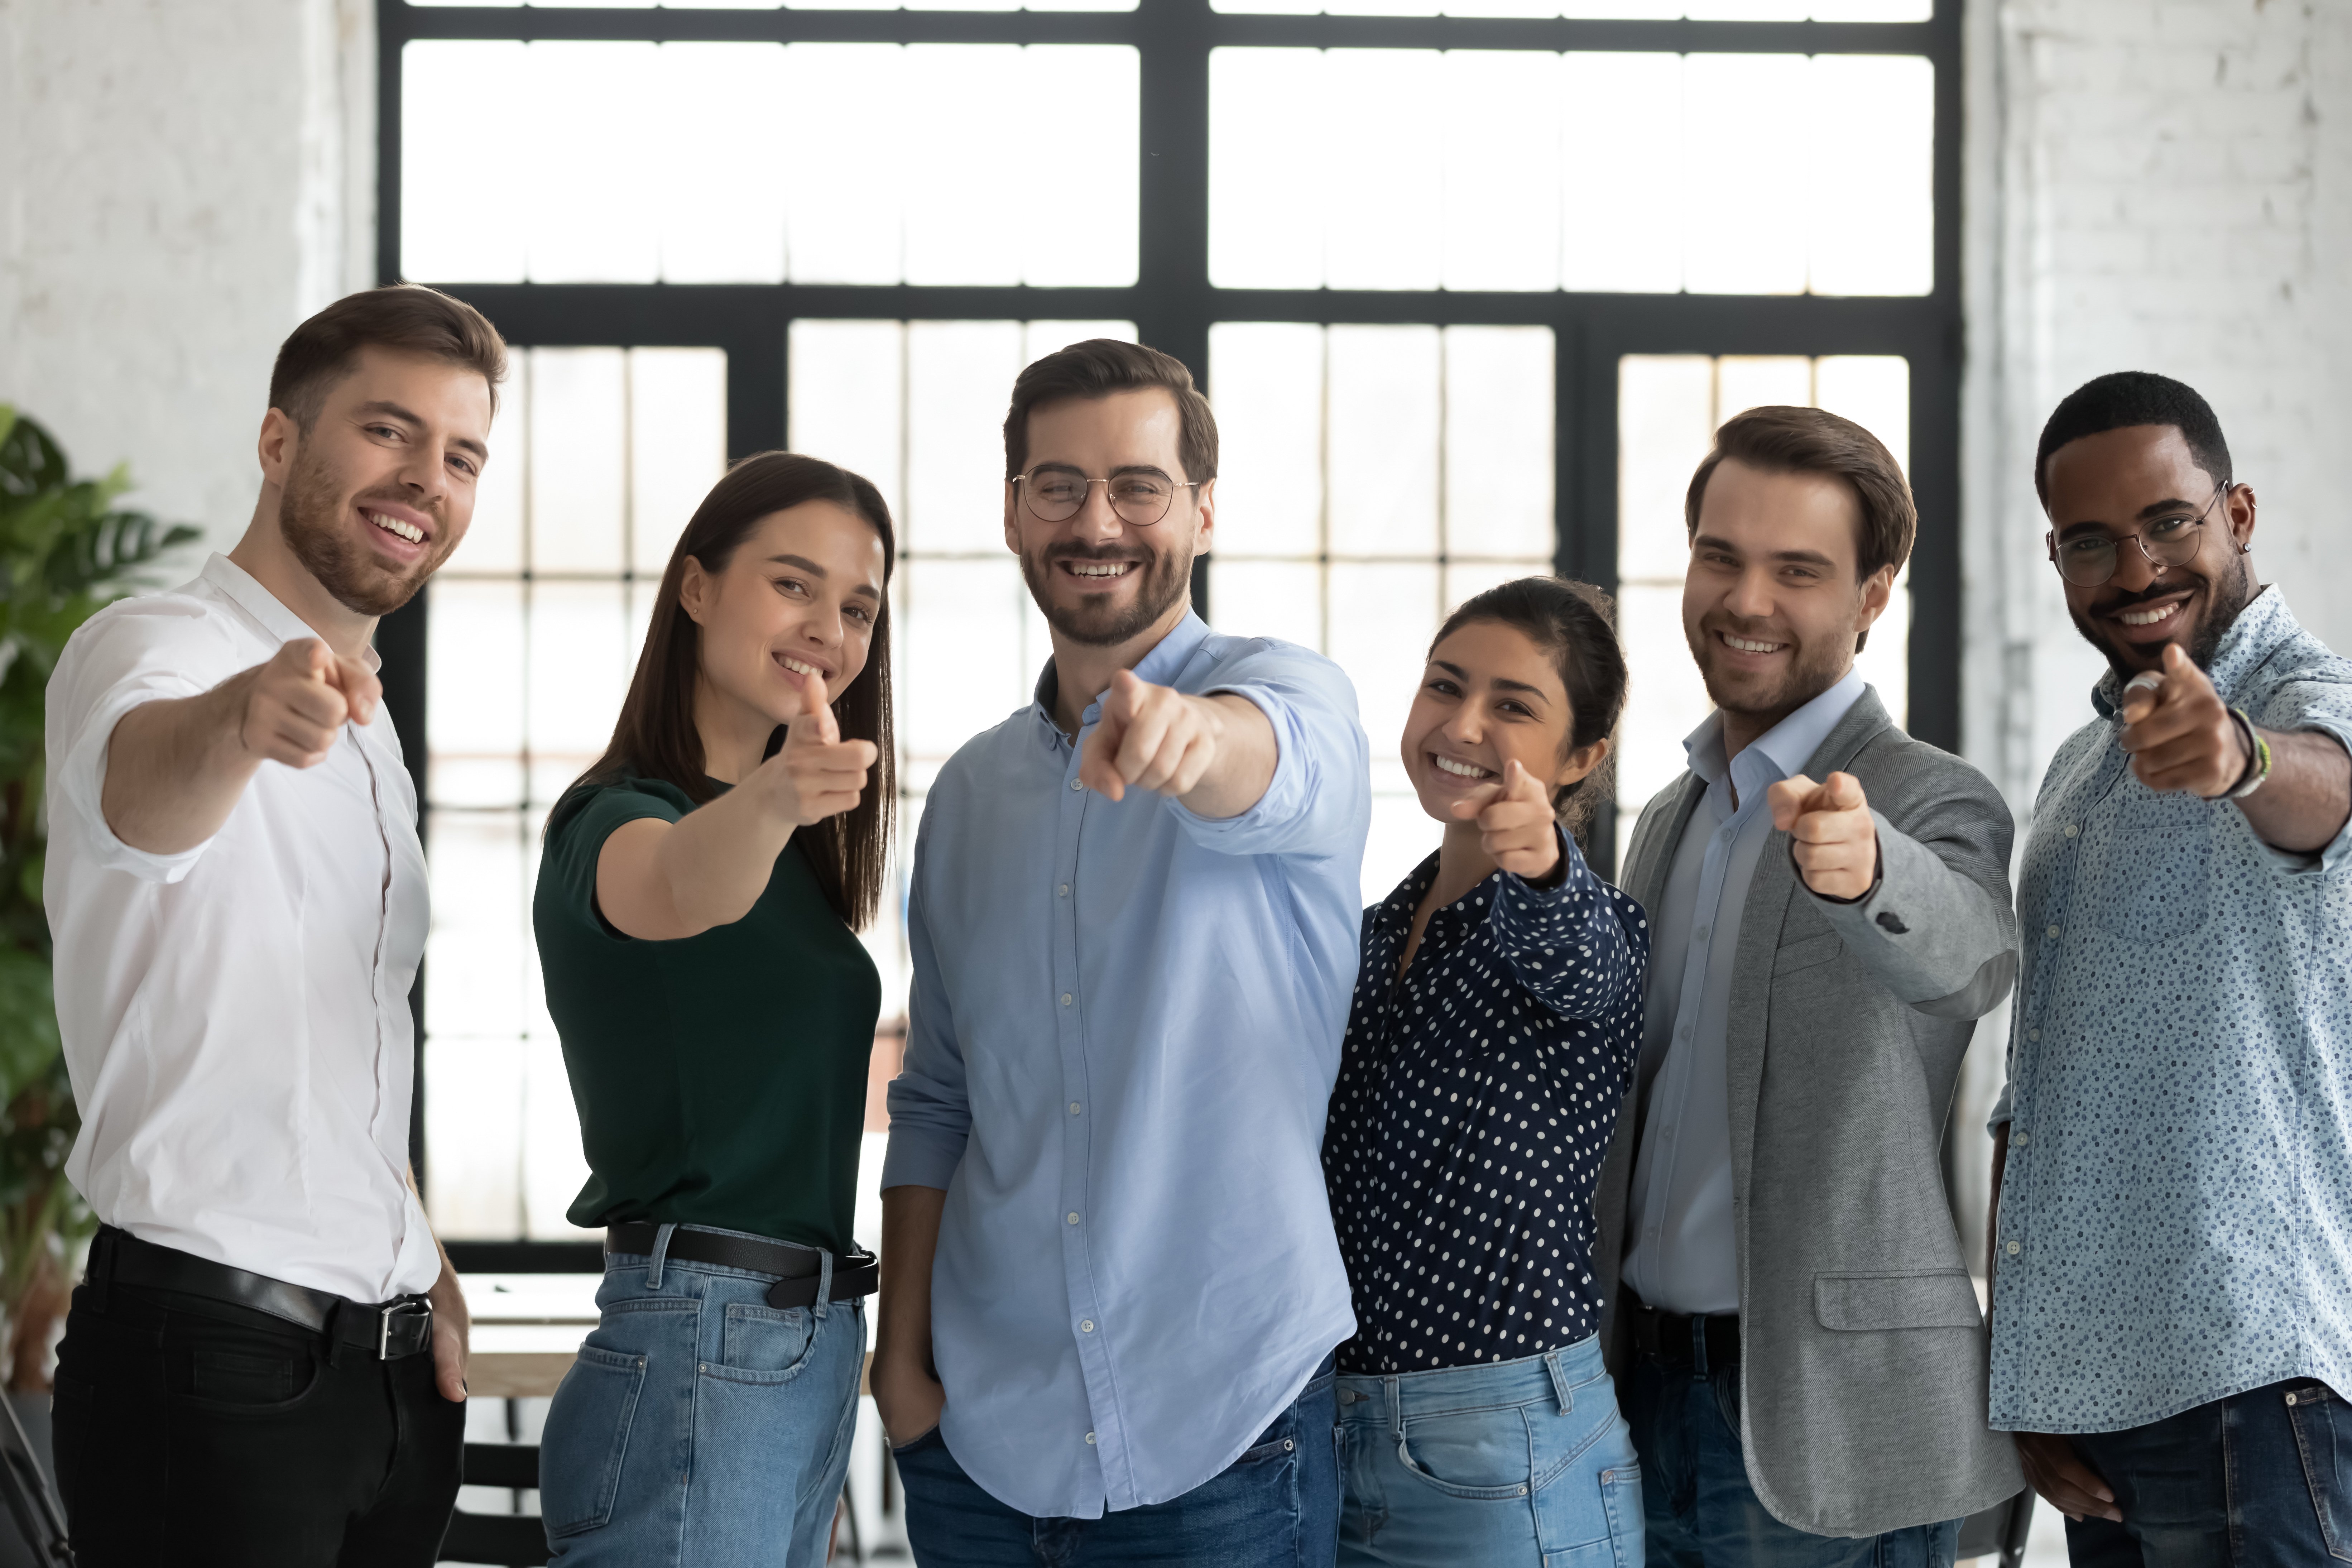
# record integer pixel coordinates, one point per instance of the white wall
(177, 193)
(2162, 185)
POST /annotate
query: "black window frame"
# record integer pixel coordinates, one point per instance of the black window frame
(1173, 302)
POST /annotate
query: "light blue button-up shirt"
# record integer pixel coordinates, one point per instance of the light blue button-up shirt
(2175, 1214)
(1123, 1034)
(1681, 1251)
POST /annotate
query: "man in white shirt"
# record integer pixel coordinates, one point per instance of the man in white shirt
(266, 1361)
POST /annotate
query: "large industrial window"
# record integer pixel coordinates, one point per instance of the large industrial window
(1469, 284)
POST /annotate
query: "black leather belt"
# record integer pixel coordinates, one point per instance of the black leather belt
(386, 1330)
(796, 1269)
(1668, 1336)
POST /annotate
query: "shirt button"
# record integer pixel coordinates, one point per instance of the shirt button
(2072, 830)
(1062, 891)
(1091, 1437)
(1074, 1216)
(2017, 1140)
(1699, 935)
(1086, 1325)
(1076, 785)
(1074, 1107)
(2010, 1250)
(2033, 1033)
(2052, 933)
(1066, 998)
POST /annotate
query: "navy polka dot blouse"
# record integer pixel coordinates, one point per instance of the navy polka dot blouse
(1476, 1097)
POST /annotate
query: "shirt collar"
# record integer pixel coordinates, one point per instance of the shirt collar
(245, 591)
(1160, 667)
(1780, 751)
(2261, 626)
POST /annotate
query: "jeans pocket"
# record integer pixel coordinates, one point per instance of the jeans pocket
(227, 1378)
(1613, 1519)
(2323, 1438)
(763, 1344)
(587, 1439)
(1474, 1454)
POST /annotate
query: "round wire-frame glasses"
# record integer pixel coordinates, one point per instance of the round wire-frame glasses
(1140, 496)
(2089, 561)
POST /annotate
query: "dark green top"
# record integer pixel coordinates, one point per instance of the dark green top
(720, 1079)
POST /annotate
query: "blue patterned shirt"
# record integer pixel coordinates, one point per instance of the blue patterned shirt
(2176, 1219)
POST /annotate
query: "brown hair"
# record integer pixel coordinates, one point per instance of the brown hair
(1576, 623)
(406, 317)
(1779, 438)
(1097, 368)
(655, 736)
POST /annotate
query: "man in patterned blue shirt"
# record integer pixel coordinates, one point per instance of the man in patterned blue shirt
(2172, 1177)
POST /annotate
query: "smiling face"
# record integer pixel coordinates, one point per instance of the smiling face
(2123, 482)
(1099, 580)
(1771, 607)
(802, 593)
(1490, 697)
(375, 496)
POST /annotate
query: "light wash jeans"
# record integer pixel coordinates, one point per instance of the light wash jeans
(701, 1426)
(1515, 1464)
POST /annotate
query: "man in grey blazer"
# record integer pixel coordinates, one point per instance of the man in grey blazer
(1795, 1336)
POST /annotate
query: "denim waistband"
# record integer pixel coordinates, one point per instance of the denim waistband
(1553, 1374)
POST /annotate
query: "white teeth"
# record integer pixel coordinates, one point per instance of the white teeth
(1107, 569)
(1459, 769)
(2147, 617)
(797, 668)
(393, 525)
(1747, 645)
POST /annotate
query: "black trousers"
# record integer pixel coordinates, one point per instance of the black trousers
(194, 1433)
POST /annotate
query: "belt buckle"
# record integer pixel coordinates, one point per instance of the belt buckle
(383, 1323)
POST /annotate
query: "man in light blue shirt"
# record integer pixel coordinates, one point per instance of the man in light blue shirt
(1110, 1285)
(2172, 1176)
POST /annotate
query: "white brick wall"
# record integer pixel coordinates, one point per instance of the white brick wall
(2152, 184)
(174, 196)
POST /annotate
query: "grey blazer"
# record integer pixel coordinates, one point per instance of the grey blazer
(1862, 1363)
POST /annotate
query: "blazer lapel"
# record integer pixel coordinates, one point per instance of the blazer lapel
(1760, 920)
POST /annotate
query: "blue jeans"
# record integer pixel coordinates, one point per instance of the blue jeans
(2258, 1480)
(1518, 1462)
(1702, 1513)
(700, 1426)
(1277, 1506)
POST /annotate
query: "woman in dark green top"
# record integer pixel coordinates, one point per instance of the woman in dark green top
(696, 911)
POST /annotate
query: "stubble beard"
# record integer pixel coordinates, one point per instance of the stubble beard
(1098, 623)
(310, 518)
(1812, 669)
(2225, 603)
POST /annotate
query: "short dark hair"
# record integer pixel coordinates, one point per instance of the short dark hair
(2127, 397)
(1097, 368)
(1576, 623)
(406, 317)
(1783, 439)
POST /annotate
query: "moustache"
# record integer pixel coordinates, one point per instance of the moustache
(2162, 588)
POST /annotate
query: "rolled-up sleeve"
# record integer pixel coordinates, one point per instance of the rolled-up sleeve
(2324, 705)
(138, 654)
(930, 1105)
(1319, 799)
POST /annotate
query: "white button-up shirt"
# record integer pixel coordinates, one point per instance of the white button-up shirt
(1681, 1254)
(235, 1016)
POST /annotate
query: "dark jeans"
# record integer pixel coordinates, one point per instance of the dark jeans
(1277, 1506)
(2260, 1479)
(1700, 1511)
(198, 1433)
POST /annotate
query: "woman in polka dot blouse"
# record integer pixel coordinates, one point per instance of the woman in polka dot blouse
(1491, 1040)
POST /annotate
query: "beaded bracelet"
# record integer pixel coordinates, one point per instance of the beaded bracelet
(2257, 758)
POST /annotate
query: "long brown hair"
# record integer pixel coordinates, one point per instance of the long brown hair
(655, 736)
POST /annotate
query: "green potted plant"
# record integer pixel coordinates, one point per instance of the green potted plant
(66, 550)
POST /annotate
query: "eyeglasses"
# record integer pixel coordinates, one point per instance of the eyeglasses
(2089, 561)
(1140, 498)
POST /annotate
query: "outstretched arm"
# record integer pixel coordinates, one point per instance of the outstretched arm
(1216, 754)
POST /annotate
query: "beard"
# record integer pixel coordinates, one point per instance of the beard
(1096, 622)
(310, 517)
(1812, 669)
(2224, 600)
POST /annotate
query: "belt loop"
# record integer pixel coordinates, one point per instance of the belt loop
(824, 1282)
(334, 1331)
(661, 1250)
(98, 1268)
(1698, 1344)
(1559, 1383)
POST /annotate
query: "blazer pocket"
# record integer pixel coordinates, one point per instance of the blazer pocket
(1919, 1299)
(1806, 954)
